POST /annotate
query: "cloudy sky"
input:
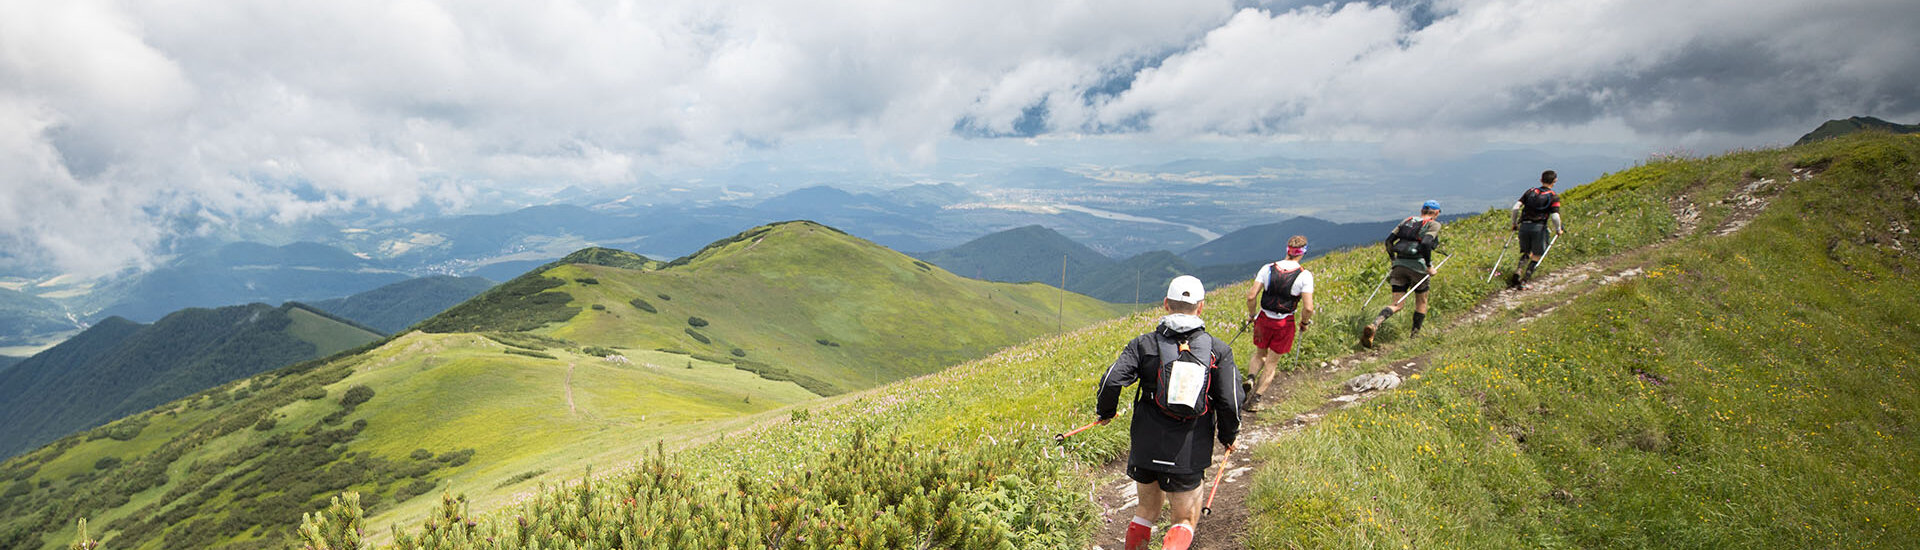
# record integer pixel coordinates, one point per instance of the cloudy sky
(116, 117)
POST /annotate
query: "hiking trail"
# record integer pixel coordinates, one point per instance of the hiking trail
(1116, 495)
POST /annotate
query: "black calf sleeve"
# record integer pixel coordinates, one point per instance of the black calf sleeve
(1418, 319)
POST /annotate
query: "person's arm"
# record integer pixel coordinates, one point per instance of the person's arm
(1553, 211)
(1121, 374)
(1225, 394)
(1253, 299)
(1430, 240)
(1306, 310)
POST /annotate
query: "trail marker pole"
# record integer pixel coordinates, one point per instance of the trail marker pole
(1411, 290)
(1207, 509)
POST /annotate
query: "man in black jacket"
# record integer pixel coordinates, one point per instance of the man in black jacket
(1189, 396)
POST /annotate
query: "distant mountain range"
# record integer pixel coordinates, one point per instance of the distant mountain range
(395, 307)
(1036, 253)
(119, 367)
(238, 273)
(1836, 128)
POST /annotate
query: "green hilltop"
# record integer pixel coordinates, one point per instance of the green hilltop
(593, 360)
(119, 367)
(1724, 356)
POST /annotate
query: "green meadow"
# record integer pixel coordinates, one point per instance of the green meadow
(1753, 389)
(730, 337)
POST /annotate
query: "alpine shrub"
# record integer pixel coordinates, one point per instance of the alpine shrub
(355, 396)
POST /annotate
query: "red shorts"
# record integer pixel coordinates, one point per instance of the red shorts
(1273, 334)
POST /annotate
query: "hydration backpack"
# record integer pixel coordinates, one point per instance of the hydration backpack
(1278, 297)
(1535, 204)
(1407, 238)
(1185, 377)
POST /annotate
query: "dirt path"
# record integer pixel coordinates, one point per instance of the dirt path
(1227, 526)
(569, 385)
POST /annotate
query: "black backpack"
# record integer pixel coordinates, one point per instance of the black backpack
(1180, 362)
(1535, 203)
(1407, 238)
(1278, 296)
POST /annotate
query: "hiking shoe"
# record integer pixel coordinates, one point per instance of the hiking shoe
(1179, 537)
(1411, 334)
(1253, 403)
(1513, 280)
(1366, 336)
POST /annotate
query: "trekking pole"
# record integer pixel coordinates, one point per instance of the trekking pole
(1549, 250)
(1411, 289)
(1062, 438)
(1207, 510)
(1496, 262)
(1370, 295)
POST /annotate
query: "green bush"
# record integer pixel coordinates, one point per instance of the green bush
(541, 355)
(598, 351)
(702, 338)
(356, 395)
(107, 463)
(587, 281)
(869, 493)
(737, 352)
(313, 393)
(420, 454)
(696, 322)
(265, 423)
(598, 307)
(642, 305)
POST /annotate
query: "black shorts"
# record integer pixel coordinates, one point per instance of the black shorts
(1401, 278)
(1171, 483)
(1533, 238)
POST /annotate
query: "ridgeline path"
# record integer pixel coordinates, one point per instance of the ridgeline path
(1227, 526)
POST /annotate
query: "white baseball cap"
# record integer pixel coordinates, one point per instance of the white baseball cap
(1186, 288)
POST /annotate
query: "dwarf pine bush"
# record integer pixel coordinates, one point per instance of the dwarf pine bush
(871, 493)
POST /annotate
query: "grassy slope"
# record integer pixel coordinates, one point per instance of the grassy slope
(1007, 406)
(1785, 418)
(447, 392)
(886, 315)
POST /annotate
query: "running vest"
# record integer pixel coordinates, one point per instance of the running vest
(1278, 297)
(1185, 377)
(1536, 205)
(1407, 238)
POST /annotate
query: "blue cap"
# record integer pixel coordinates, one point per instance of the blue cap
(1431, 205)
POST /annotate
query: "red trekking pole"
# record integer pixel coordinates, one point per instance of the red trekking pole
(1062, 438)
(1207, 509)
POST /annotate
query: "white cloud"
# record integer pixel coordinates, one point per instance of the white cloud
(116, 116)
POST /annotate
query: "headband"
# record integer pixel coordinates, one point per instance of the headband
(1296, 251)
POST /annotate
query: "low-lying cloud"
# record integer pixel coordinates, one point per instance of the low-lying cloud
(117, 118)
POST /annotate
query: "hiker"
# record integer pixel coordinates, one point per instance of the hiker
(1280, 302)
(1537, 212)
(1189, 396)
(1410, 247)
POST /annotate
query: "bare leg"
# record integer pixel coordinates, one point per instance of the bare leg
(1270, 367)
(1151, 500)
(1262, 368)
(1420, 303)
(1186, 507)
